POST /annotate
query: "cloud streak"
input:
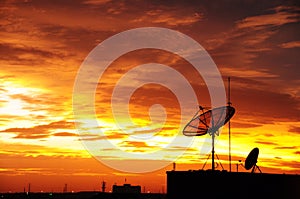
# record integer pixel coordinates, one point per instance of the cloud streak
(40, 131)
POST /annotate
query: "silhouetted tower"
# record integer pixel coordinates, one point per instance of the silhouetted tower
(174, 166)
(65, 190)
(103, 186)
(229, 133)
(29, 188)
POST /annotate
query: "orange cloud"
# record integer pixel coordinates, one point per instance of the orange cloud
(292, 44)
(280, 17)
(40, 131)
(65, 134)
(134, 144)
(169, 18)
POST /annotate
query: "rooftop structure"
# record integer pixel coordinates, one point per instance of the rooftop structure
(126, 188)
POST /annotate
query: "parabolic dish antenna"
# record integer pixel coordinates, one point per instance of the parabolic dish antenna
(251, 160)
(209, 122)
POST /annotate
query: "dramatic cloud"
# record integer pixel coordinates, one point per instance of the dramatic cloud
(294, 129)
(43, 44)
(266, 143)
(291, 44)
(283, 15)
(40, 131)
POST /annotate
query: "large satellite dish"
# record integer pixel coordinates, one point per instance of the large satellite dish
(209, 122)
(251, 160)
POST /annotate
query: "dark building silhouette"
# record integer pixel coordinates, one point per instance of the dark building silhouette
(65, 189)
(222, 184)
(103, 186)
(126, 188)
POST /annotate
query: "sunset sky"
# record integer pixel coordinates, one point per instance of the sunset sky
(44, 44)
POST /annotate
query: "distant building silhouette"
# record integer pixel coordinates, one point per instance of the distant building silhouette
(126, 188)
(65, 190)
(103, 186)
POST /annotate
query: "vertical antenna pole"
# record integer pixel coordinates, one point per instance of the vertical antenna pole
(229, 133)
(213, 152)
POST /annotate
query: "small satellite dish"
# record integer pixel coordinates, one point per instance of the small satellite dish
(251, 160)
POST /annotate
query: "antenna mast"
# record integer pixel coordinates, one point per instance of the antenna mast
(209, 122)
(213, 151)
(229, 133)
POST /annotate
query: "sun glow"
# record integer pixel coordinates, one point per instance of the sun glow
(15, 101)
